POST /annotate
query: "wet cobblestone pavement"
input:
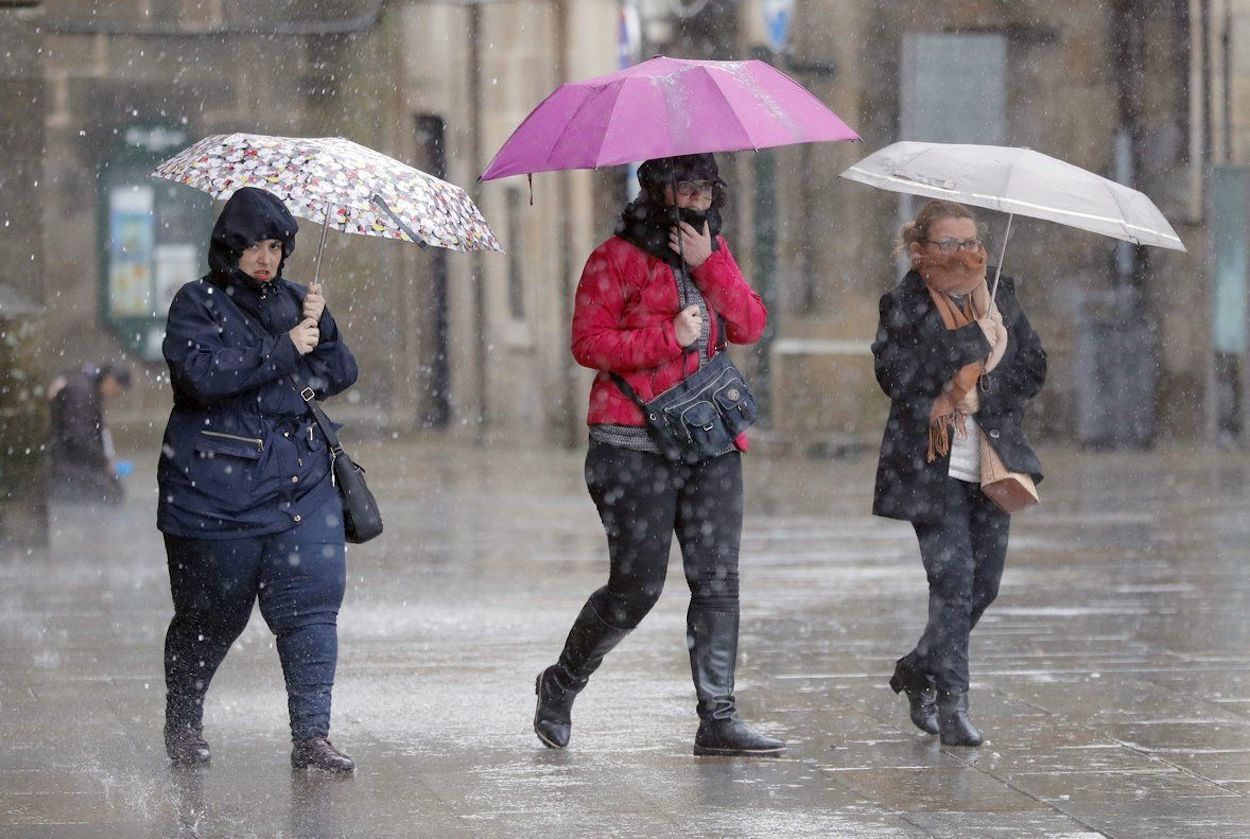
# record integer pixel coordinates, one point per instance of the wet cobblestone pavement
(1111, 678)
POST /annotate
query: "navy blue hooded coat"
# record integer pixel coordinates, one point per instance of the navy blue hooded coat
(241, 455)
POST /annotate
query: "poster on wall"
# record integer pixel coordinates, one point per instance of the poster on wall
(176, 265)
(131, 236)
(152, 235)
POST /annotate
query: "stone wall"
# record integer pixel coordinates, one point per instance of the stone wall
(23, 369)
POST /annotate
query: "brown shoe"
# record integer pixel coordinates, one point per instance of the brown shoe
(186, 746)
(318, 753)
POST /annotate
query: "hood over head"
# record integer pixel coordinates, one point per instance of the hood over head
(250, 216)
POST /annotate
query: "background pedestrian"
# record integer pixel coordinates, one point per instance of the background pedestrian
(81, 459)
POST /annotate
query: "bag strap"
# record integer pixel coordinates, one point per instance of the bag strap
(683, 280)
(323, 422)
(629, 391)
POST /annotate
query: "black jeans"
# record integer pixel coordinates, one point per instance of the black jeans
(643, 500)
(963, 553)
(299, 576)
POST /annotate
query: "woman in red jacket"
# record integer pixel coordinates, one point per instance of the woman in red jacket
(636, 316)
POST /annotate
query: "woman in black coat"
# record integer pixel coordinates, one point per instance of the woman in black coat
(956, 366)
(247, 503)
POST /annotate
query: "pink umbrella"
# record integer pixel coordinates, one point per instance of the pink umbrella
(665, 107)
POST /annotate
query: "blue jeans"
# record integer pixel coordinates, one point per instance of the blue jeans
(298, 575)
(963, 552)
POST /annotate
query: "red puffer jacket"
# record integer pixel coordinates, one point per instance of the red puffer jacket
(623, 323)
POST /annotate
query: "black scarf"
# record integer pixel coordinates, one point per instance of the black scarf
(646, 225)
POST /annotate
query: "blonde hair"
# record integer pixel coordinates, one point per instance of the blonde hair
(917, 230)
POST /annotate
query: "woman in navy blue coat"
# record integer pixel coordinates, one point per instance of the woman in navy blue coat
(247, 504)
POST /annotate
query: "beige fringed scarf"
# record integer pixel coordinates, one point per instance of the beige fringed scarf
(959, 273)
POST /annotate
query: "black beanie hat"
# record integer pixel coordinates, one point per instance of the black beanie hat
(659, 172)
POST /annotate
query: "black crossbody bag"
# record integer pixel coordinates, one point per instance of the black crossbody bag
(362, 520)
(700, 416)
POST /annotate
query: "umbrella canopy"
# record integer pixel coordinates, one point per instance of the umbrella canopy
(1020, 182)
(665, 107)
(337, 183)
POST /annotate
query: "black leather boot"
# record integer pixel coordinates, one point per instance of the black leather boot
(319, 753)
(921, 695)
(185, 745)
(712, 637)
(589, 641)
(956, 728)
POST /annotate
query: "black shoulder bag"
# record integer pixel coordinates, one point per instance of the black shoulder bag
(700, 416)
(361, 518)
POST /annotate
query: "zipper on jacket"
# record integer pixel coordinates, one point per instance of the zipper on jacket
(256, 441)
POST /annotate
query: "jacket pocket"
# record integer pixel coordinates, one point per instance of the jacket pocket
(225, 467)
(212, 443)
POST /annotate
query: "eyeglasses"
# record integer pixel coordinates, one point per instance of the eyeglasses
(688, 189)
(952, 245)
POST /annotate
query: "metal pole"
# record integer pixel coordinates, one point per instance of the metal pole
(322, 246)
(765, 274)
(480, 314)
(1002, 254)
(566, 422)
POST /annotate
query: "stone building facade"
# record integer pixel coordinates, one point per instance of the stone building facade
(477, 345)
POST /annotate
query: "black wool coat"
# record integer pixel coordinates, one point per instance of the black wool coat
(915, 356)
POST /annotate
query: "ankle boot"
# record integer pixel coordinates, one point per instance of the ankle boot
(921, 695)
(319, 753)
(185, 745)
(712, 637)
(956, 728)
(589, 641)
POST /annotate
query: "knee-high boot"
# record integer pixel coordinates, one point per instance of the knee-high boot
(712, 637)
(590, 639)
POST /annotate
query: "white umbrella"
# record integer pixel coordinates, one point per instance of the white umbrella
(1017, 182)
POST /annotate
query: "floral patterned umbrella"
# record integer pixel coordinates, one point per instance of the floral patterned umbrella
(337, 183)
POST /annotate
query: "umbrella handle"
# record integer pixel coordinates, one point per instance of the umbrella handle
(683, 279)
(325, 222)
(1002, 254)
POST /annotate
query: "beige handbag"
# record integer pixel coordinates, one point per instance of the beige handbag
(1011, 491)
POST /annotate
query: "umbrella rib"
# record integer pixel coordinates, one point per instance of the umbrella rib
(1027, 204)
(382, 205)
(1116, 199)
(603, 138)
(533, 115)
(729, 104)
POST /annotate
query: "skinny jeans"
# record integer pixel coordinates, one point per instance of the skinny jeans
(643, 500)
(963, 553)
